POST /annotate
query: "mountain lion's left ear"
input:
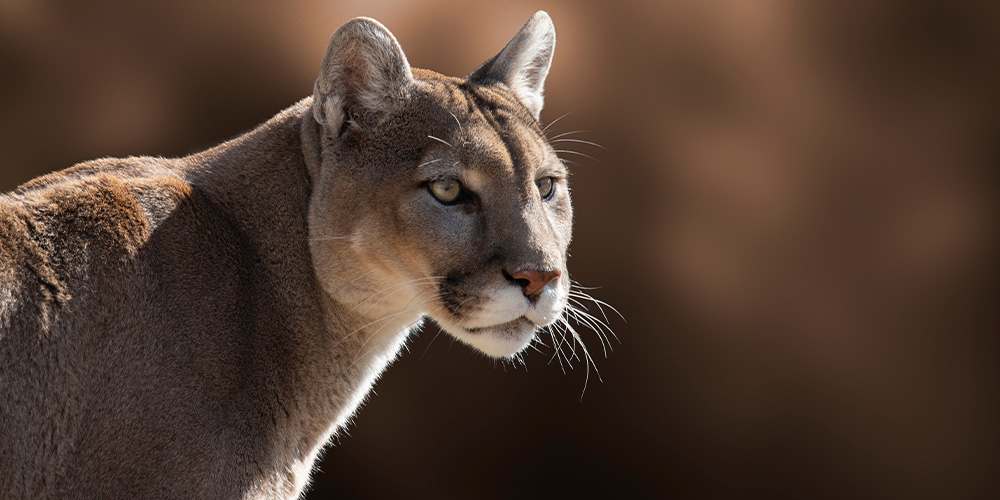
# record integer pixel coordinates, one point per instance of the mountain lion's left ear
(364, 70)
(524, 63)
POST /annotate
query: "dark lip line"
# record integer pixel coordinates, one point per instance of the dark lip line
(490, 327)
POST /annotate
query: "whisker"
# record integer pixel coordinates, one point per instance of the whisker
(361, 356)
(580, 141)
(573, 355)
(388, 319)
(386, 292)
(557, 345)
(594, 321)
(600, 303)
(564, 134)
(440, 140)
(570, 151)
(553, 122)
(424, 164)
(587, 364)
(538, 339)
(457, 307)
(539, 351)
(457, 121)
(363, 275)
(436, 335)
(439, 329)
(576, 301)
(567, 345)
(595, 325)
(577, 286)
(520, 359)
(562, 341)
(374, 299)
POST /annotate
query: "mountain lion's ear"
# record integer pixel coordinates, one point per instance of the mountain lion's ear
(364, 69)
(524, 63)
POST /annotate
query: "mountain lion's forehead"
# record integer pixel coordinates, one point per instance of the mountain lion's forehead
(515, 148)
(486, 124)
(465, 101)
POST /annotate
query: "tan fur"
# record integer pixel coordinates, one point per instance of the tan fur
(199, 327)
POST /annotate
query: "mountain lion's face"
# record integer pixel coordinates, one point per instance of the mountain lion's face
(443, 200)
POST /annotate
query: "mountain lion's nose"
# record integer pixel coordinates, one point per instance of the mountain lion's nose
(533, 281)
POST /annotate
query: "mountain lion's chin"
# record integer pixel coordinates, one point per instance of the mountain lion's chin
(497, 341)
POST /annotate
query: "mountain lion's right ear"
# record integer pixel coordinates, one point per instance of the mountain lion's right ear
(524, 63)
(364, 69)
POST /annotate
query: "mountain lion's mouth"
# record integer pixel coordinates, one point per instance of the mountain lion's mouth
(501, 340)
(515, 326)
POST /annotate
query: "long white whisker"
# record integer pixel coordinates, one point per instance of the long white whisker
(383, 294)
(429, 344)
(553, 122)
(457, 121)
(539, 340)
(595, 325)
(574, 295)
(564, 134)
(557, 345)
(571, 355)
(566, 339)
(580, 141)
(600, 303)
(363, 275)
(588, 363)
(577, 286)
(385, 318)
(366, 353)
(388, 319)
(569, 151)
(390, 316)
(440, 140)
(539, 351)
(415, 281)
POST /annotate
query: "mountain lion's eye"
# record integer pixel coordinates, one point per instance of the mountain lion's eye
(446, 191)
(546, 186)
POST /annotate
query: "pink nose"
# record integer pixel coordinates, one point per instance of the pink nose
(533, 281)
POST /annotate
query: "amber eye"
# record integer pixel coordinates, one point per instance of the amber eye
(446, 191)
(546, 185)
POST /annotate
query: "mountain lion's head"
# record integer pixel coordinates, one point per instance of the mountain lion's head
(437, 196)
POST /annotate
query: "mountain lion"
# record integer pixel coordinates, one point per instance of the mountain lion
(200, 327)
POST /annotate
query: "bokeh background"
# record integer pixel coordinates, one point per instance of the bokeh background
(796, 213)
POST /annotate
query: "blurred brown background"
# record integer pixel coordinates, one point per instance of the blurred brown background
(797, 215)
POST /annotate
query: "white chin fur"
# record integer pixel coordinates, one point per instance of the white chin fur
(508, 324)
(502, 341)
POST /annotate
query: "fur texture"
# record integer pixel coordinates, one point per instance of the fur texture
(199, 327)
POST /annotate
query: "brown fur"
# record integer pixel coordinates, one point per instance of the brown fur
(199, 327)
